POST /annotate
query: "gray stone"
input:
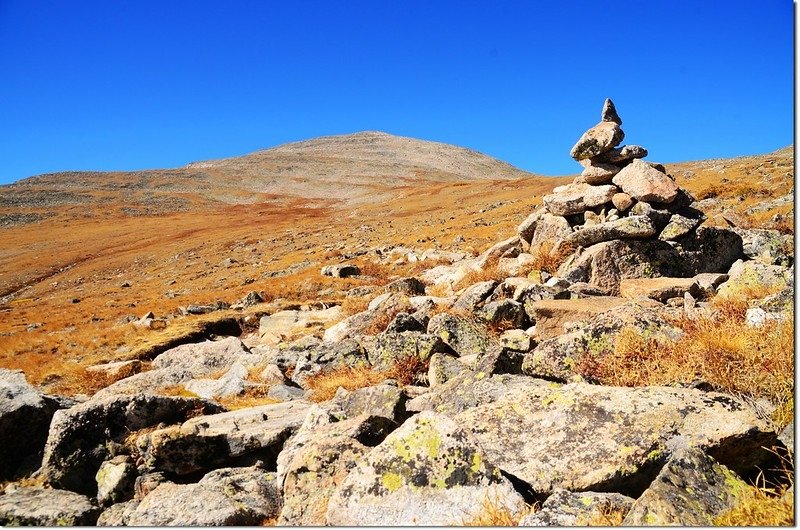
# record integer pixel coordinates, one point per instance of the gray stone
(599, 139)
(428, 472)
(442, 368)
(465, 336)
(224, 497)
(752, 274)
(283, 325)
(203, 358)
(678, 226)
(380, 401)
(46, 507)
(566, 201)
(285, 392)
(115, 480)
(566, 508)
(21, 404)
(609, 112)
(207, 441)
(406, 286)
(474, 295)
(504, 314)
(527, 228)
(587, 437)
(405, 322)
(621, 154)
(708, 249)
(328, 356)
(117, 514)
(78, 441)
(767, 246)
(691, 489)
(390, 348)
(599, 195)
(598, 173)
(633, 227)
(497, 250)
(644, 183)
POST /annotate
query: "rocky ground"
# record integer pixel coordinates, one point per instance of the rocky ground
(616, 356)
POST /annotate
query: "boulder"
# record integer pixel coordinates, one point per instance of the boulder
(609, 112)
(442, 368)
(708, 282)
(115, 480)
(516, 266)
(567, 508)
(599, 195)
(645, 183)
(390, 348)
(34, 506)
(633, 227)
(504, 314)
(621, 154)
(117, 514)
(691, 490)
(474, 295)
(319, 357)
(316, 468)
(599, 139)
(585, 437)
(527, 228)
(598, 173)
(282, 325)
(430, 471)
(380, 401)
(231, 383)
(622, 201)
(708, 249)
(223, 497)
(406, 322)
(21, 404)
(285, 393)
(78, 441)
(116, 370)
(766, 246)
(465, 336)
(406, 286)
(746, 275)
(204, 442)
(497, 250)
(550, 228)
(552, 316)
(566, 201)
(342, 270)
(661, 289)
(379, 311)
(678, 226)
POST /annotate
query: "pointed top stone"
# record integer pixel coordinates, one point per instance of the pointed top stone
(610, 112)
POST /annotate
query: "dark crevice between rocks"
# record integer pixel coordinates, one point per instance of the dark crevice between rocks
(634, 484)
(265, 458)
(750, 455)
(527, 492)
(376, 431)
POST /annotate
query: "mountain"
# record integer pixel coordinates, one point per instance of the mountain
(352, 168)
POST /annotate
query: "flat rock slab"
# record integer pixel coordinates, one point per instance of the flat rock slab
(46, 507)
(661, 289)
(429, 472)
(207, 441)
(585, 437)
(550, 316)
(633, 227)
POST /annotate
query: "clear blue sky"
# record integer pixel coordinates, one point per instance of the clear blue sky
(100, 85)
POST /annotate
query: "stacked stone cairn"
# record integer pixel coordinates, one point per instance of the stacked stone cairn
(648, 224)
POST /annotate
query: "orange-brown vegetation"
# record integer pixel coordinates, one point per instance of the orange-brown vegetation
(324, 385)
(549, 259)
(495, 513)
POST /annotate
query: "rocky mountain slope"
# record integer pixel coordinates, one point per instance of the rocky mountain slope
(353, 168)
(613, 348)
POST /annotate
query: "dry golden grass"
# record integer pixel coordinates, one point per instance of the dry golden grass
(495, 513)
(176, 391)
(324, 385)
(549, 259)
(719, 349)
(607, 516)
(252, 397)
(764, 504)
(353, 305)
(489, 273)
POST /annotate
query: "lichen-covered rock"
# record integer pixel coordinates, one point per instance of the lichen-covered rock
(504, 314)
(379, 401)
(21, 404)
(207, 441)
(753, 274)
(406, 322)
(587, 437)
(224, 497)
(327, 356)
(379, 308)
(551, 316)
(566, 508)
(621, 154)
(597, 173)
(406, 286)
(691, 489)
(428, 472)
(46, 507)
(465, 336)
(633, 227)
(470, 389)
(315, 465)
(115, 480)
(599, 195)
(117, 514)
(442, 368)
(708, 249)
(599, 139)
(645, 183)
(206, 357)
(389, 348)
(474, 295)
(78, 439)
(678, 226)
(767, 246)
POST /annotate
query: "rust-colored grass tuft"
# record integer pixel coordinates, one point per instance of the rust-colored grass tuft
(488, 273)
(496, 513)
(719, 349)
(548, 258)
(607, 516)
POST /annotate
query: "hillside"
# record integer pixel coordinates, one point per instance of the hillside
(353, 168)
